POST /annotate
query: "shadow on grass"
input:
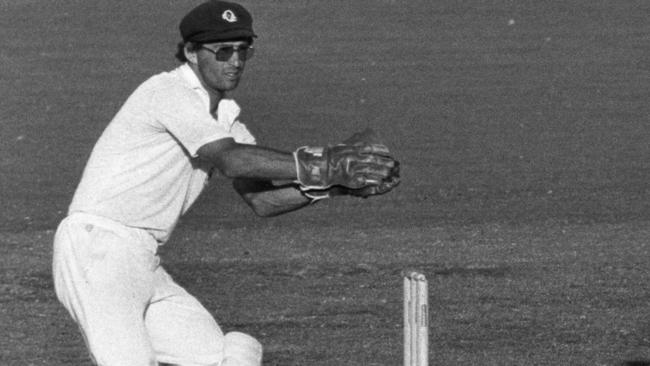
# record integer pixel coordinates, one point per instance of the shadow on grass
(636, 363)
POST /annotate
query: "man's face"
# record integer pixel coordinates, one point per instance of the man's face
(221, 64)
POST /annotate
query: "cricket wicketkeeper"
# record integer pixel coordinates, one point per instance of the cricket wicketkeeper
(146, 170)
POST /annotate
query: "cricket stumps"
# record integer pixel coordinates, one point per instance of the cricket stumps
(416, 319)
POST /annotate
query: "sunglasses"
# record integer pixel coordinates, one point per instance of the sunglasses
(224, 53)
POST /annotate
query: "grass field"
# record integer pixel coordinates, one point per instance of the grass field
(522, 128)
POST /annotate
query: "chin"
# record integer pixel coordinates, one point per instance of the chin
(228, 86)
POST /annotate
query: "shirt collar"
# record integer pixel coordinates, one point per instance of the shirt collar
(190, 77)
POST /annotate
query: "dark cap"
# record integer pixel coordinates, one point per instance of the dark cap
(215, 21)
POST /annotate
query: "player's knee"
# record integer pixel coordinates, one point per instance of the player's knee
(240, 349)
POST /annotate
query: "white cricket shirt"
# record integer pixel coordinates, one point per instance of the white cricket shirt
(143, 171)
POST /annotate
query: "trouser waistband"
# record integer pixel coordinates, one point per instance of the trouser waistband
(141, 235)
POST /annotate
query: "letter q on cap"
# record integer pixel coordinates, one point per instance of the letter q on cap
(229, 16)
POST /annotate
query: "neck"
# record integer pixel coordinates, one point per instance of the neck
(214, 101)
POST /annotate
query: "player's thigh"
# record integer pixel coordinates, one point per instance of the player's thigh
(181, 330)
(105, 285)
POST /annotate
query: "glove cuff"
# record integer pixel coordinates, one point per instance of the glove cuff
(316, 195)
(311, 167)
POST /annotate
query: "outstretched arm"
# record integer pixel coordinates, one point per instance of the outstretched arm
(305, 174)
(254, 170)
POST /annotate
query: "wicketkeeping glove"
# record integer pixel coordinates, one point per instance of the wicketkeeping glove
(352, 166)
(391, 181)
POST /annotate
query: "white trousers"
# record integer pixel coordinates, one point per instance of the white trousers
(128, 308)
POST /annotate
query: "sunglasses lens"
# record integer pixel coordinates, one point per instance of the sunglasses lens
(225, 53)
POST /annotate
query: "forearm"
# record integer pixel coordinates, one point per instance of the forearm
(270, 199)
(250, 161)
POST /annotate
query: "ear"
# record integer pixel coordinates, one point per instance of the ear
(189, 54)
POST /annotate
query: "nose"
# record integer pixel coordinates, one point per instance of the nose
(235, 59)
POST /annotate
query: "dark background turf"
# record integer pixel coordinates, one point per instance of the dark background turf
(515, 121)
(499, 110)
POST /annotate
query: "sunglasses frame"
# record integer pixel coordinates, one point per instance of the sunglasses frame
(244, 52)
